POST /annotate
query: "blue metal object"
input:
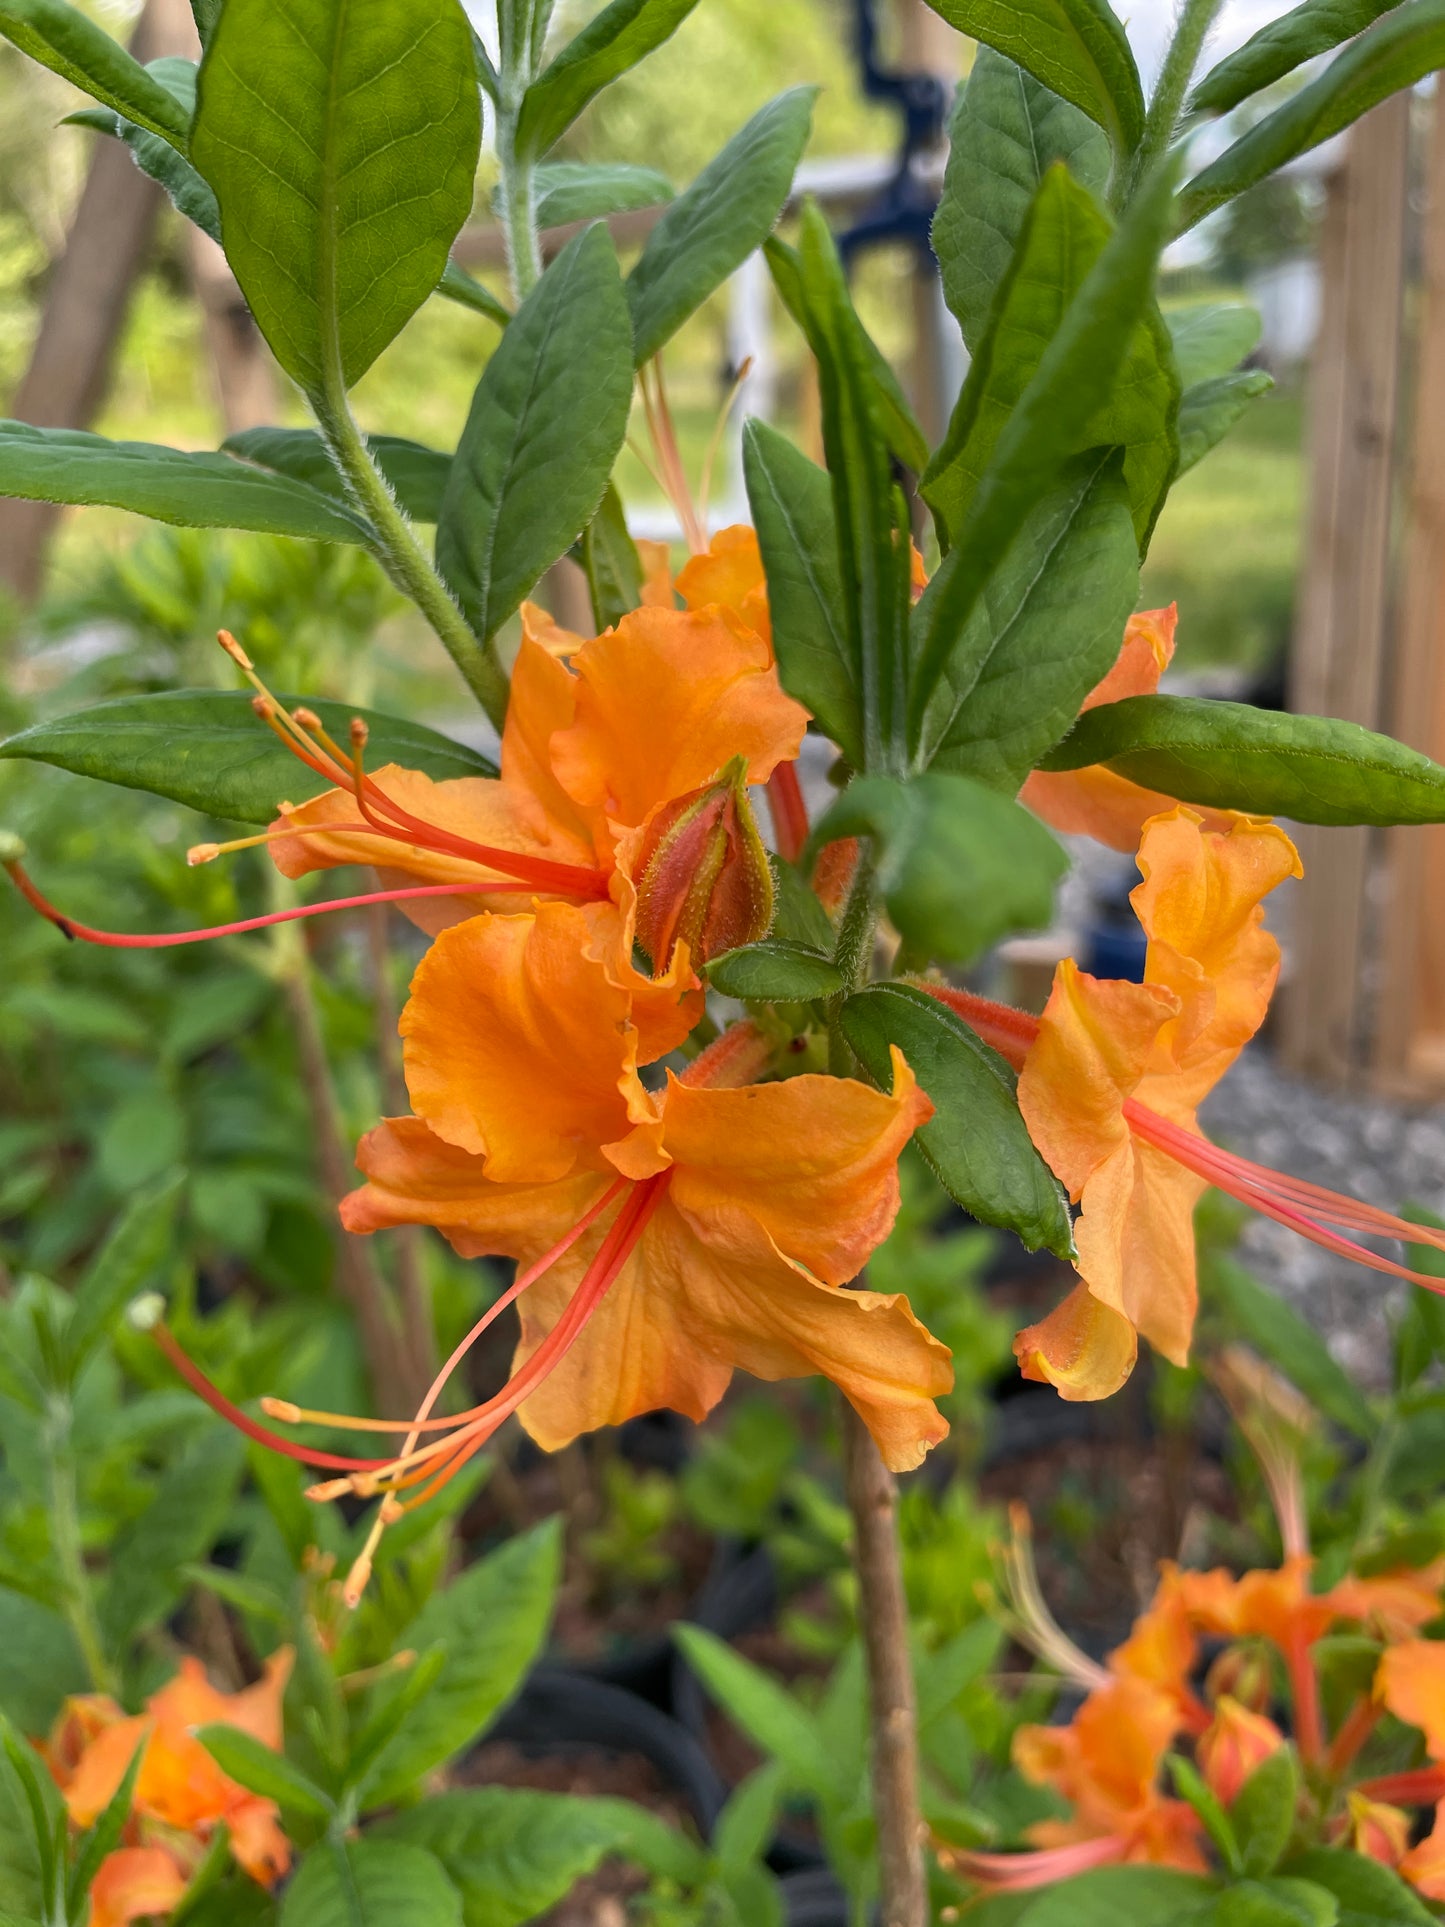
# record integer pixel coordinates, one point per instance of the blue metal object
(903, 211)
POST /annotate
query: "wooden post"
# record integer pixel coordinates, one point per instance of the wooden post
(1338, 666)
(1410, 1037)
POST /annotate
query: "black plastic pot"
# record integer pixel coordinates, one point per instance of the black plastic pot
(814, 1899)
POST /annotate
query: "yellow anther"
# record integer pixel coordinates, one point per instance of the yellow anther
(200, 853)
(360, 732)
(283, 1409)
(234, 650)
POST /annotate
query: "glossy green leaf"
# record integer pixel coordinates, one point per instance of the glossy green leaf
(774, 972)
(609, 559)
(959, 866)
(261, 1769)
(976, 1142)
(63, 39)
(342, 146)
(1370, 1895)
(418, 475)
(198, 491)
(546, 424)
(1062, 238)
(1142, 1896)
(208, 748)
(1281, 46)
(1190, 1785)
(1276, 1330)
(188, 192)
(370, 1883)
(460, 287)
(1208, 412)
(1045, 428)
(716, 224)
(492, 1621)
(187, 1513)
(1045, 630)
(791, 501)
(513, 1853)
(585, 190)
(1396, 52)
(1313, 769)
(1007, 131)
(129, 1262)
(905, 438)
(1263, 1812)
(1211, 338)
(611, 43)
(1076, 48)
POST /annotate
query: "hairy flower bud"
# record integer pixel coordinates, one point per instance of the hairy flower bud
(703, 874)
(1242, 1673)
(1233, 1745)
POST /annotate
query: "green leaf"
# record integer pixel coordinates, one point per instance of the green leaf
(546, 424)
(1313, 769)
(1191, 1785)
(513, 1853)
(25, 1884)
(791, 501)
(1211, 338)
(1396, 52)
(774, 972)
(189, 193)
(1081, 361)
(1142, 1896)
(608, 557)
(392, 1714)
(959, 866)
(1006, 132)
(747, 1823)
(61, 38)
(717, 223)
(1273, 1903)
(460, 287)
(905, 438)
(190, 1508)
(1045, 630)
(196, 491)
(1076, 48)
(1370, 1895)
(1281, 46)
(1278, 1332)
(261, 1769)
(417, 475)
(370, 1883)
(976, 1142)
(492, 1621)
(611, 43)
(129, 1261)
(40, 1664)
(207, 748)
(1063, 237)
(1209, 411)
(585, 190)
(342, 146)
(1263, 1812)
(766, 1711)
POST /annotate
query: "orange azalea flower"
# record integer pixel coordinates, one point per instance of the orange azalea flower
(1095, 801)
(181, 1795)
(1377, 1830)
(1236, 1741)
(1111, 1079)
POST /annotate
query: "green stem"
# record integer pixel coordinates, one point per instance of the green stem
(519, 211)
(1161, 124)
(69, 1554)
(853, 954)
(405, 559)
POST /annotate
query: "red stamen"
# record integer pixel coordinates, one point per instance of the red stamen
(788, 811)
(1357, 1726)
(1018, 1872)
(166, 940)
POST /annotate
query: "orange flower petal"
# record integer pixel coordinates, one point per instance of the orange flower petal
(135, 1882)
(1398, 1603)
(656, 560)
(101, 1768)
(1424, 1865)
(1096, 801)
(729, 574)
(1135, 1239)
(542, 700)
(539, 625)
(664, 701)
(1083, 1349)
(1410, 1680)
(261, 1849)
(1147, 651)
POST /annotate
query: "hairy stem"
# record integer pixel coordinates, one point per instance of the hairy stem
(69, 1552)
(872, 1496)
(1192, 24)
(853, 954)
(519, 212)
(405, 559)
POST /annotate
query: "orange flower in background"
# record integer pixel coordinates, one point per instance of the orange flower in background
(741, 1208)
(1105, 1048)
(1095, 801)
(181, 1795)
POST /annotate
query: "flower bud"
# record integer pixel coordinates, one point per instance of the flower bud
(1242, 1673)
(703, 874)
(1372, 1828)
(1233, 1745)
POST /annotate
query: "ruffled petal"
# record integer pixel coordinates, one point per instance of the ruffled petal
(1083, 1348)
(729, 575)
(133, 1883)
(1096, 801)
(1410, 1681)
(1148, 649)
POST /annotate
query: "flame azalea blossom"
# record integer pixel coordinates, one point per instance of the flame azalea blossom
(181, 1795)
(1095, 801)
(1111, 1077)
(1235, 1742)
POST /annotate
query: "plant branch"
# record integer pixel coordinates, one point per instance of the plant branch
(405, 559)
(872, 1496)
(519, 211)
(853, 954)
(1192, 24)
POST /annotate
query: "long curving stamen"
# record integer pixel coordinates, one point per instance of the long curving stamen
(1018, 1872)
(1417, 1787)
(669, 457)
(168, 939)
(704, 489)
(1029, 1618)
